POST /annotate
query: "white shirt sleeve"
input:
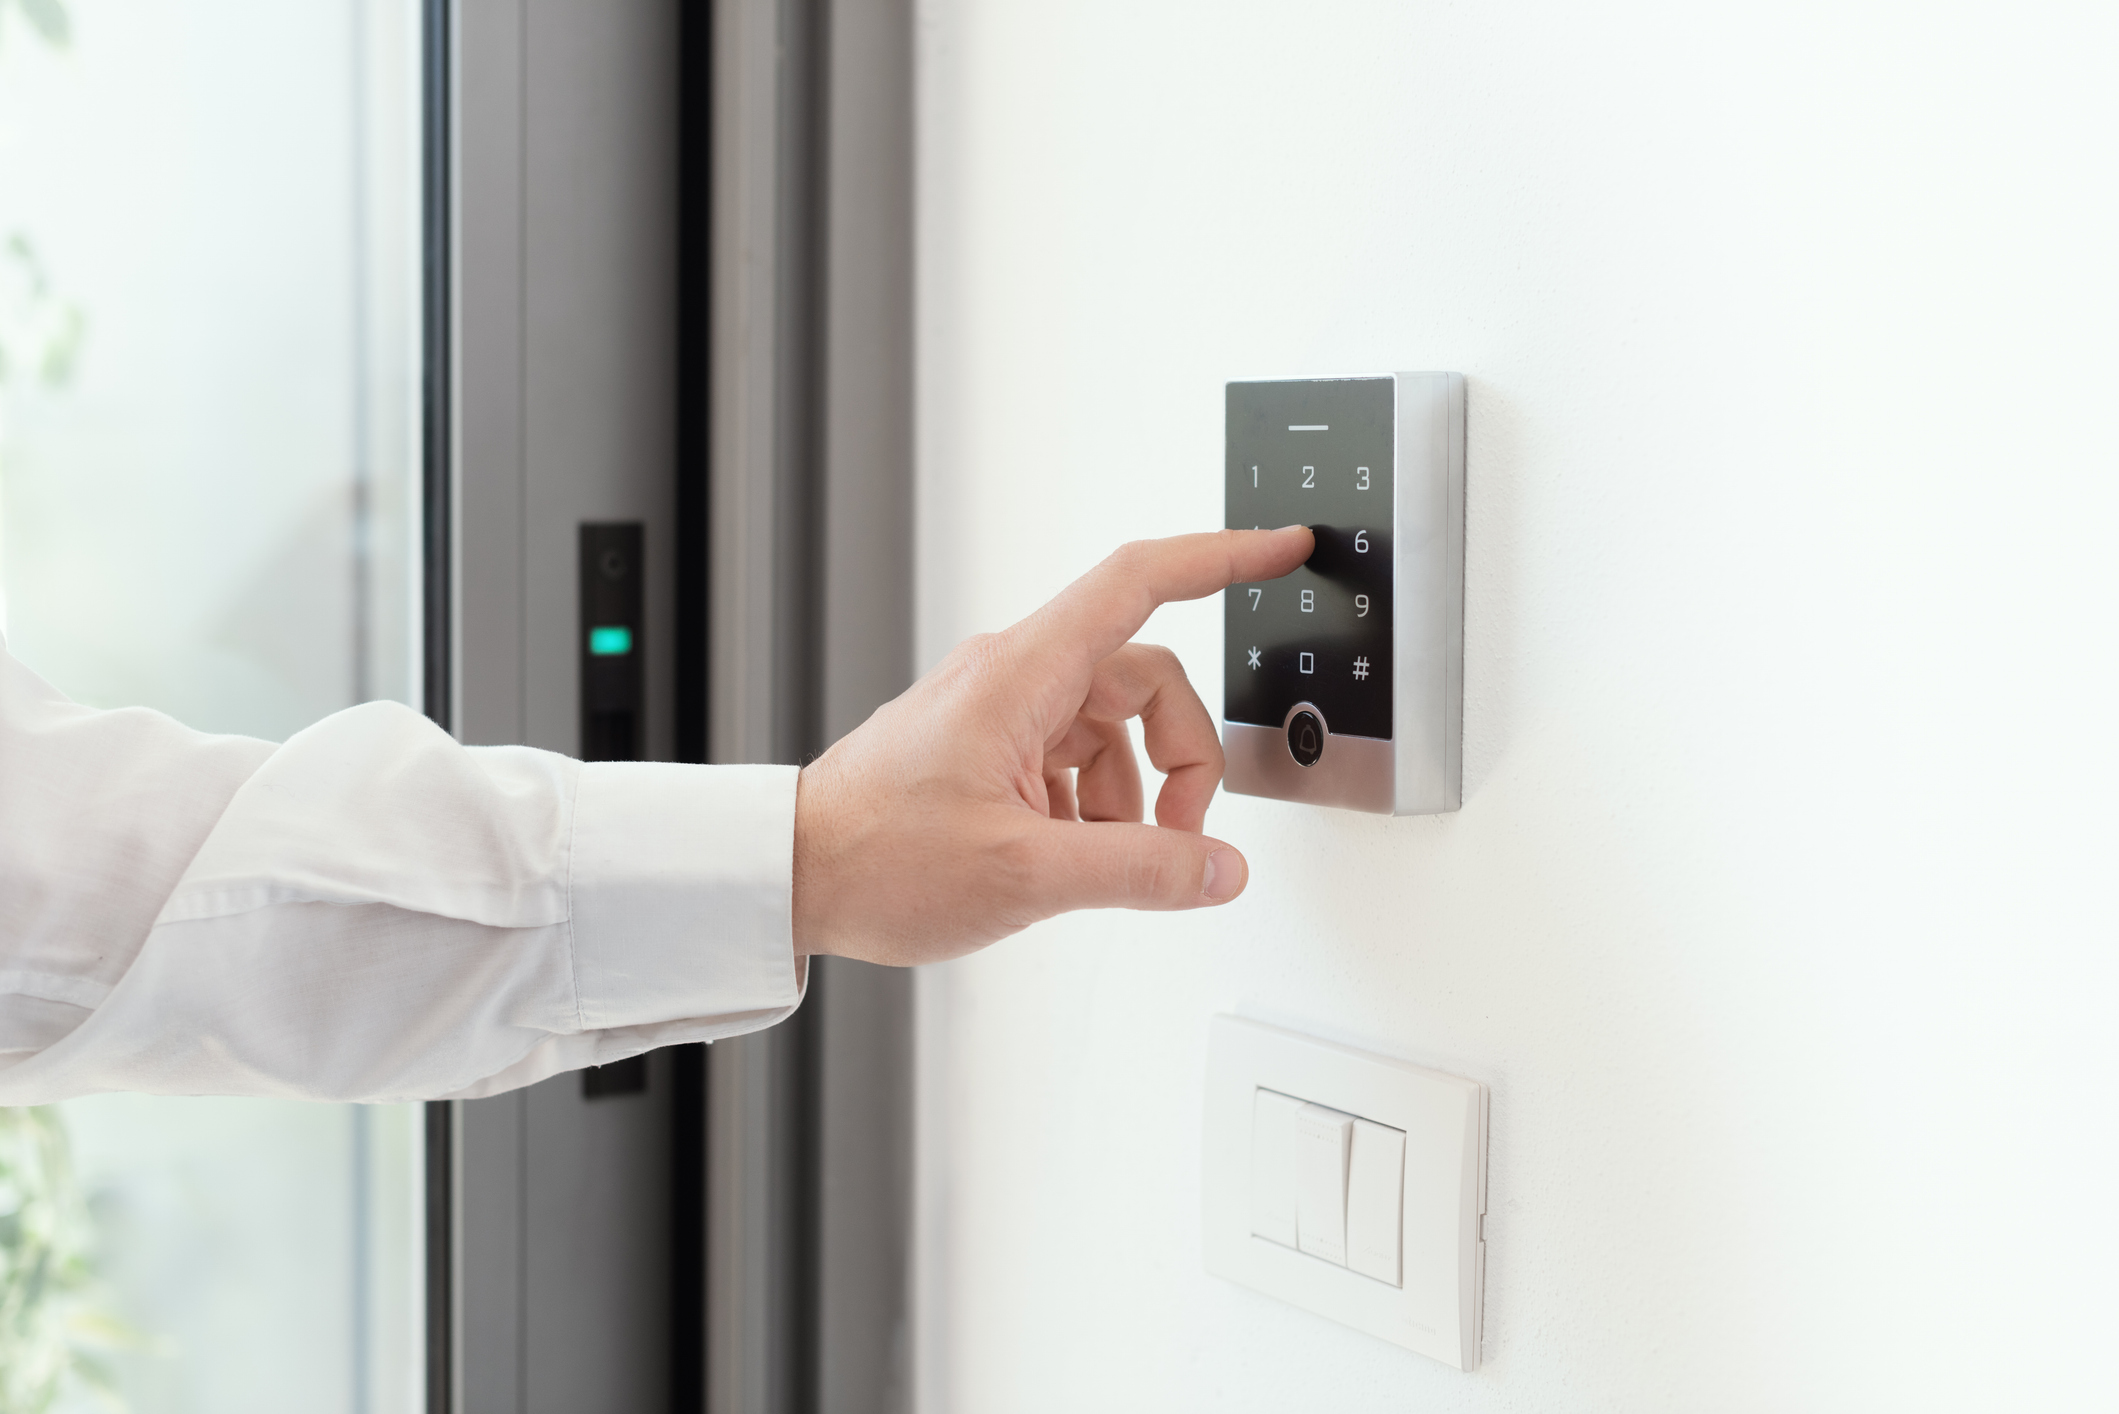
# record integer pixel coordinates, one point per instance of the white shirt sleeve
(369, 912)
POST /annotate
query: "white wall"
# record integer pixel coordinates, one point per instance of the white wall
(1780, 913)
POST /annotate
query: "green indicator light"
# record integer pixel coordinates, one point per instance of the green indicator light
(608, 642)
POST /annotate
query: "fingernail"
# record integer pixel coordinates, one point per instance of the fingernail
(1289, 527)
(1225, 875)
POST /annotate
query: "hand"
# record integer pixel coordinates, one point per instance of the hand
(1001, 788)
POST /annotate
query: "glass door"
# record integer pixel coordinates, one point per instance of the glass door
(210, 328)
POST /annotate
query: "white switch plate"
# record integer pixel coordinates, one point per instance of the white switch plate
(1437, 1310)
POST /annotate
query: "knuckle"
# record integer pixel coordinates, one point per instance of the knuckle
(1017, 864)
(1132, 563)
(1161, 661)
(1130, 554)
(1156, 874)
(975, 656)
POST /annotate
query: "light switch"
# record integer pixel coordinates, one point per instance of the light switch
(1322, 1139)
(1375, 1196)
(1381, 1162)
(1273, 1167)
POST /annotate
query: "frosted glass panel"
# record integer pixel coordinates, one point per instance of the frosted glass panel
(208, 316)
(209, 395)
(260, 1255)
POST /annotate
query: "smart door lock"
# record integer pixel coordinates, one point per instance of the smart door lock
(1344, 681)
(612, 706)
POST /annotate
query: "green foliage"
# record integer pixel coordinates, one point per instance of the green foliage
(44, 331)
(47, 17)
(40, 330)
(55, 1335)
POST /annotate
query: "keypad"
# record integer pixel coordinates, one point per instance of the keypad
(1315, 452)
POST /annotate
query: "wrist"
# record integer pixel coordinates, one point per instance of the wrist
(813, 864)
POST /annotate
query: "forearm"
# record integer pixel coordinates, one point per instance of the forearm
(369, 911)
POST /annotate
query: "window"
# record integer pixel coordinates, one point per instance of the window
(209, 418)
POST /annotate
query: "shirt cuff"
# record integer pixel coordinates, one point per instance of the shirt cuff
(682, 892)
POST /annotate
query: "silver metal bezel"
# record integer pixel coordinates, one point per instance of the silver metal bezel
(1427, 547)
(1353, 773)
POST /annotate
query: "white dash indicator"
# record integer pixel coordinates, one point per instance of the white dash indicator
(1309, 427)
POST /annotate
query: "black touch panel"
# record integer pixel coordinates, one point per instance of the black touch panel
(612, 716)
(1313, 452)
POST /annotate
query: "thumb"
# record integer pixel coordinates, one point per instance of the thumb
(1111, 865)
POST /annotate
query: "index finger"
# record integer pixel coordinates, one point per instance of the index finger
(1094, 616)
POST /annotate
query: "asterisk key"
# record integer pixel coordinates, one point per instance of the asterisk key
(1254, 657)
